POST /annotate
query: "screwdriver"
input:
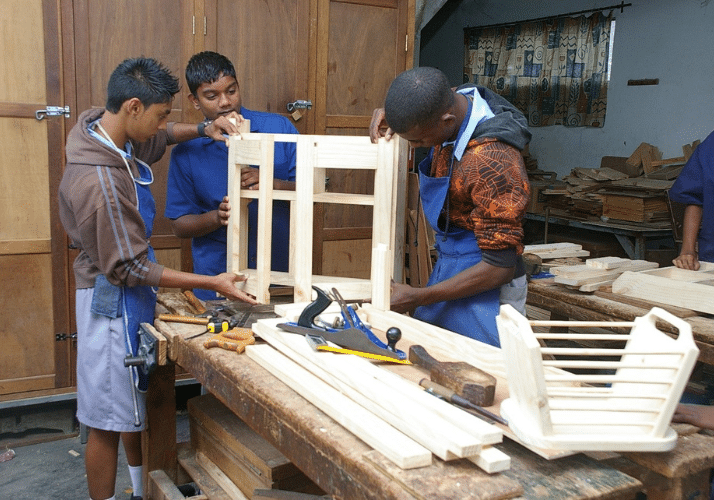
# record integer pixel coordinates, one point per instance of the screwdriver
(450, 396)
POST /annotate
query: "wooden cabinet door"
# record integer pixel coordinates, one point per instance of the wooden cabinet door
(339, 54)
(361, 46)
(107, 32)
(31, 360)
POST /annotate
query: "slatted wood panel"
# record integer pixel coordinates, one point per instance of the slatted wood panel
(314, 155)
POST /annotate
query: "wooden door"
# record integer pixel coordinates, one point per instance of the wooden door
(339, 54)
(268, 43)
(361, 46)
(32, 269)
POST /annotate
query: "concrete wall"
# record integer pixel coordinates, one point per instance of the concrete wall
(667, 39)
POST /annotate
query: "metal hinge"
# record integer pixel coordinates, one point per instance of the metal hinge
(193, 25)
(64, 336)
(40, 114)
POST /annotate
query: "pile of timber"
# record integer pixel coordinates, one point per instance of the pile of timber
(391, 414)
(599, 272)
(579, 197)
(630, 188)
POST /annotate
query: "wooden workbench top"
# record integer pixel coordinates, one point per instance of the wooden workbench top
(346, 467)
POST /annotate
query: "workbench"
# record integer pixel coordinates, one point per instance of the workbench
(336, 460)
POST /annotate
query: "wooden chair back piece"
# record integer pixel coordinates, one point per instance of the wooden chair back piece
(605, 397)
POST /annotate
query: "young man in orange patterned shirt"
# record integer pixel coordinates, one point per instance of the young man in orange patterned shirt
(474, 190)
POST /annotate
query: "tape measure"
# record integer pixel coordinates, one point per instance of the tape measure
(217, 325)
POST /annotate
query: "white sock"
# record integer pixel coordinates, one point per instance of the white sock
(137, 482)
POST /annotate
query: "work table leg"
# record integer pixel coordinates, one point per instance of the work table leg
(158, 443)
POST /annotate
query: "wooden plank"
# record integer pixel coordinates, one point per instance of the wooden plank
(158, 442)
(319, 446)
(220, 478)
(646, 304)
(690, 295)
(206, 483)
(218, 420)
(350, 288)
(589, 275)
(237, 231)
(556, 250)
(161, 344)
(161, 487)
(403, 451)
(607, 262)
(447, 431)
(265, 218)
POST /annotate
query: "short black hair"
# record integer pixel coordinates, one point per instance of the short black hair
(207, 67)
(141, 77)
(417, 96)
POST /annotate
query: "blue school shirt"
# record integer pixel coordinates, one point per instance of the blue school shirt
(198, 181)
(695, 186)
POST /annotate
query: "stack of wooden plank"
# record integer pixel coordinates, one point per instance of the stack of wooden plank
(390, 413)
(223, 440)
(597, 272)
(579, 196)
(637, 200)
(550, 251)
(541, 181)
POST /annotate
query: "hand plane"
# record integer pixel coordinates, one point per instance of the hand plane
(355, 337)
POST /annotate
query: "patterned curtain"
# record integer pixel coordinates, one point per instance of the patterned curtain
(554, 71)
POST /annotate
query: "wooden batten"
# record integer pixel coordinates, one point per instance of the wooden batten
(692, 290)
(446, 431)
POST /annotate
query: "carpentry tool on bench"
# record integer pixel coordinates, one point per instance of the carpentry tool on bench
(355, 338)
(216, 320)
(467, 381)
(233, 340)
(450, 396)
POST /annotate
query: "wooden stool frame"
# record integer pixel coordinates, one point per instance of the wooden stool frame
(316, 153)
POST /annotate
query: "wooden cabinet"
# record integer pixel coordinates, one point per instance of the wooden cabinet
(339, 54)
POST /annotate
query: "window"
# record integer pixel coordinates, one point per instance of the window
(556, 71)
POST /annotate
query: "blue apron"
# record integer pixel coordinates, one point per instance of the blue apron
(458, 249)
(135, 304)
(140, 301)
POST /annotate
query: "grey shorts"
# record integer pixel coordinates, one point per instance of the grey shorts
(104, 390)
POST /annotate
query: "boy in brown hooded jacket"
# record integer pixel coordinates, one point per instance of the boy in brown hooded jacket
(107, 210)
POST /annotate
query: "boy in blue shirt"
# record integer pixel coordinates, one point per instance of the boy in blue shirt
(196, 200)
